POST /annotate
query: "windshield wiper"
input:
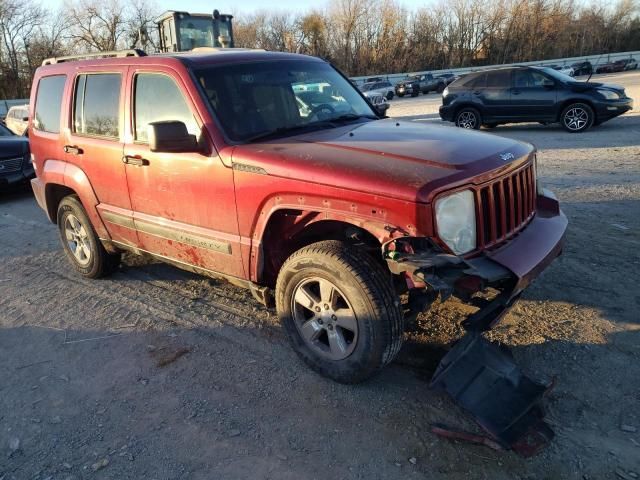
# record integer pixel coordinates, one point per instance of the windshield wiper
(351, 116)
(328, 123)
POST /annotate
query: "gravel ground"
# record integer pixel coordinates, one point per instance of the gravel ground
(156, 373)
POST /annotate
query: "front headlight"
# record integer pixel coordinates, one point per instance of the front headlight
(445, 92)
(609, 95)
(456, 221)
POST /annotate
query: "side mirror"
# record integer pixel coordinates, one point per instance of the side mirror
(382, 109)
(171, 136)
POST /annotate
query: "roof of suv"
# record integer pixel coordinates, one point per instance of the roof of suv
(193, 58)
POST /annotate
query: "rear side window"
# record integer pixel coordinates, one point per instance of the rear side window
(97, 105)
(158, 98)
(499, 79)
(49, 103)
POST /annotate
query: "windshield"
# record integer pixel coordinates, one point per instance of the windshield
(250, 99)
(563, 77)
(5, 132)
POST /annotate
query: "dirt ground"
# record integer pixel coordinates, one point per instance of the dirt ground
(155, 373)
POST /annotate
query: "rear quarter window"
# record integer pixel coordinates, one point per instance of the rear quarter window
(49, 103)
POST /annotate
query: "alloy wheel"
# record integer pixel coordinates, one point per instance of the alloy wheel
(77, 239)
(467, 120)
(576, 118)
(324, 318)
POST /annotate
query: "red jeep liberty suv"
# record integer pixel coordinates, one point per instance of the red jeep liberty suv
(271, 170)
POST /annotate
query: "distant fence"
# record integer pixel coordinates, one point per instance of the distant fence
(594, 59)
(5, 105)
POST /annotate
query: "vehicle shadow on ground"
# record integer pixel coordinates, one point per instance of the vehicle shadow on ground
(15, 192)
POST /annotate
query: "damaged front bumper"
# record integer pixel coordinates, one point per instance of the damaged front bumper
(510, 268)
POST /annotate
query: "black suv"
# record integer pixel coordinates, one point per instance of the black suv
(582, 68)
(531, 94)
(15, 160)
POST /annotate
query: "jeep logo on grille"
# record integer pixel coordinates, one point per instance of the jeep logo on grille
(507, 156)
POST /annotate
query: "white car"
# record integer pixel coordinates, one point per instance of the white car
(383, 87)
(567, 70)
(17, 119)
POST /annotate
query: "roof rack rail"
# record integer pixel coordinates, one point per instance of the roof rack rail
(134, 52)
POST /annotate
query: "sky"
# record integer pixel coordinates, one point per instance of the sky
(246, 6)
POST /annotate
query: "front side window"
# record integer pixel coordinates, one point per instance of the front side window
(251, 99)
(49, 103)
(158, 98)
(97, 105)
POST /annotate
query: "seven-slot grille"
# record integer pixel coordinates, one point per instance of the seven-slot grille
(505, 206)
(9, 165)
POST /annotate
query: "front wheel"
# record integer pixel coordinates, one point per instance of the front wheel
(577, 117)
(80, 242)
(468, 118)
(340, 311)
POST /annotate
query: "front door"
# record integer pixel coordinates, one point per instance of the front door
(183, 203)
(95, 143)
(533, 95)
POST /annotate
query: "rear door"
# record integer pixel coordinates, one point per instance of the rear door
(184, 203)
(530, 97)
(95, 143)
(496, 94)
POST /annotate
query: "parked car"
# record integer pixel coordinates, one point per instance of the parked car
(447, 78)
(414, 84)
(17, 119)
(15, 161)
(562, 69)
(384, 88)
(582, 68)
(630, 64)
(612, 67)
(331, 216)
(379, 101)
(531, 94)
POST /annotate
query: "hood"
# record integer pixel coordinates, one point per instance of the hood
(15, 146)
(403, 160)
(584, 86)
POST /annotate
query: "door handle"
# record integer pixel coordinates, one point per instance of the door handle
(73, 149)
(136, 160)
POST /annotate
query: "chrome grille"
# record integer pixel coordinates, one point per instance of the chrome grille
(9, 165)
(505, 206)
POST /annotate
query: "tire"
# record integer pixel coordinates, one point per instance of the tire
(389, 95)
(88, 258)
(368, 337)
(468, 117)
(401, 95)
(577, 117)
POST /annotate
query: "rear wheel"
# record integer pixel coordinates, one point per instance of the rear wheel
(80, 242)
(340, 311)
(468, 118)
(577, 117)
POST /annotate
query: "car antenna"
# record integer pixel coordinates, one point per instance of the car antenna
(594, 67)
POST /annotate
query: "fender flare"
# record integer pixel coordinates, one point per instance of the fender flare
(73, 177)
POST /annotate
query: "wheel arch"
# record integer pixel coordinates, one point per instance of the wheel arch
(63, 179)
(568, 102)
(288, 230)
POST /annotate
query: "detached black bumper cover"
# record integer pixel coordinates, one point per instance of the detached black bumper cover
(485, 381)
